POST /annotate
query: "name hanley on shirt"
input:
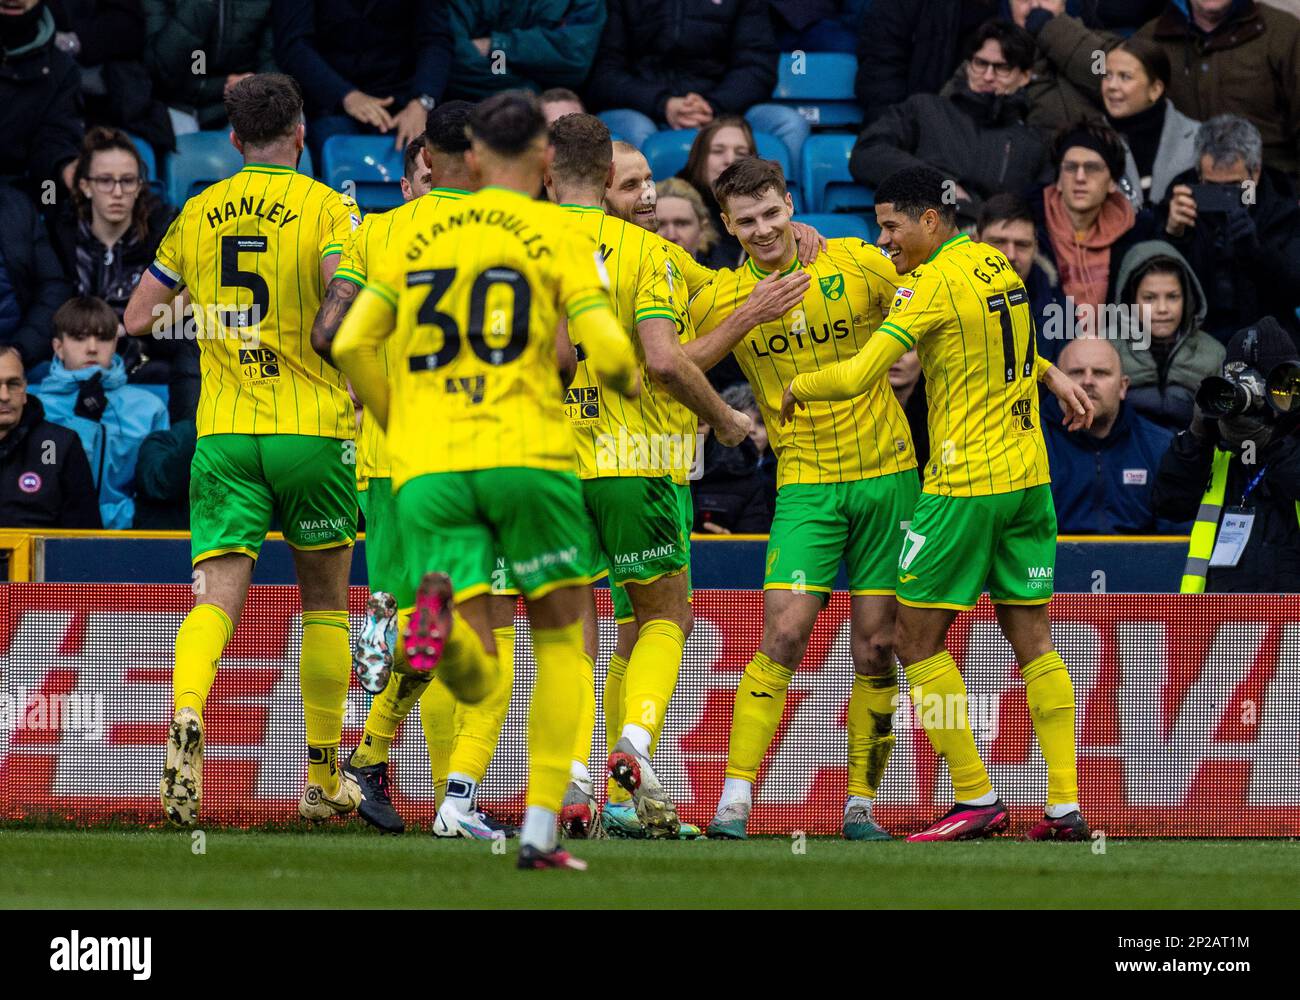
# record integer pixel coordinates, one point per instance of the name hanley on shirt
(277, 213)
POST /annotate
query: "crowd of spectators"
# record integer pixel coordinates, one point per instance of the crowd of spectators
(1135, 161)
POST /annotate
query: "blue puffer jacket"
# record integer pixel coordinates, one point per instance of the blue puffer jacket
(1103, 486)
(111, 443)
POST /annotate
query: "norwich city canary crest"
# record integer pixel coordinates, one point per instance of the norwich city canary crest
(833, 286)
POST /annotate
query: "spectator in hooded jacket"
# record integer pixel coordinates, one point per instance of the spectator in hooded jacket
(977, 136)
(1236, 57)
(1086, 224)
(1103, 477)
(1245, 250)
(40, 99)
(45, 481)
(683, 63)
(1007, 223)
(86, 391)
(500, 45)
(1169, 356)
(32, 284)
(364, 68)
(233, 35)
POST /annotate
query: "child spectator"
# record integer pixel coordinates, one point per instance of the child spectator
(86, 391)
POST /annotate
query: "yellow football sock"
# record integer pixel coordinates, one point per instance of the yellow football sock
(323, 677)
(871, 730)
(199, 644)
(387, 711)
(939, 697)
(478, 727)
(437, 718)
(760, 701)
(614, 718)
(467, 669)
(553, 715)
(652, 674)
(1051, 705)
(586, 713)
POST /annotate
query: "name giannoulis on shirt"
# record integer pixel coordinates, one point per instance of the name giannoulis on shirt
(90, 953)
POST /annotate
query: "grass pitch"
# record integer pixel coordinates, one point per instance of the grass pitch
(353, 867)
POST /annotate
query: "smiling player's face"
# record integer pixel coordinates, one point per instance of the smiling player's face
(631, 194)
(908, 241)
(762, 225)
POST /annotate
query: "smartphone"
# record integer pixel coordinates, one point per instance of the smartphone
(1222, 198)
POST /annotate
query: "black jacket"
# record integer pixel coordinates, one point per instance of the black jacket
(737, 490)
(45, 479)
(385, 48)
(980, 140)
(1247, 273)
(35, 273)
(107, 29)
(1271, 561)
(651, 50)
(40, 113)
(910, 47)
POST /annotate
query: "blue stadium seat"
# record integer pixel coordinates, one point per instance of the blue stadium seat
(371, 163)
(821, 90)
(667, 150)
(835, 226)
(150, 163)
(202, 158)
(826, 184)
(161, 391)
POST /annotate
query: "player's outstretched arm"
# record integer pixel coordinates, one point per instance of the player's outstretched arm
(844, 380)
(339, 296)
(150, 303)
(769, 300)
(356, 348)
(592, 324)
(670, 367)
(1075, 404)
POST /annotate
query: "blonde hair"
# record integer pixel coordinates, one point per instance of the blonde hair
(675, 187)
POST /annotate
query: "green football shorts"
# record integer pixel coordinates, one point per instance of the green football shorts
(686, 511)
(956, 547)
(458, 522)
(240, 482)
(816, 525)
(385, 552)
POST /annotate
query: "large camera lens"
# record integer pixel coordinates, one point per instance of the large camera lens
(1284, 387)
(1221, 397)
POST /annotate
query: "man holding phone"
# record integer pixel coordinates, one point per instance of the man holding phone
(1238, 225)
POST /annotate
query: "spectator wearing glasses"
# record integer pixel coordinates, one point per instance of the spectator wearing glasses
(86, 391)
(1085, 223)
(45, 480)
(976, 135)
(107, 238)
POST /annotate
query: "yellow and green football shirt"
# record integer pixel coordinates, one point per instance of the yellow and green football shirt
(249, 249)
(852, 286)
(967, 314)
(367, 245)
(654, 434)
(471, 298)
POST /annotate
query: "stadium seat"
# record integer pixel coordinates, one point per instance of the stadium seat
(161, 391)
(826, 184)
(368, 161)
(842, 225)
(666, 151)
(201, 158)
(819, 85)
(150, 163)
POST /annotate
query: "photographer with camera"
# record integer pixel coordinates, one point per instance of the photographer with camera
(1238, 225)
(1237, 470)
